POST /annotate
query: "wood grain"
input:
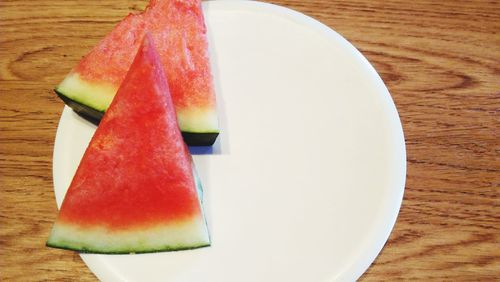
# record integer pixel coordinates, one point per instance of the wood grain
(439, 59)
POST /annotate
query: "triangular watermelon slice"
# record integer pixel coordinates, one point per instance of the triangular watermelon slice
(178, 28)
(135, 189)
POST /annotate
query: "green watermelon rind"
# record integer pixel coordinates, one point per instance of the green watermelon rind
(97, 96)
(145, 251)
(91, 114)
(82, 110)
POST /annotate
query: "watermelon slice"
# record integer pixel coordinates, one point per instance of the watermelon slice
(178, 28)
(135, 189)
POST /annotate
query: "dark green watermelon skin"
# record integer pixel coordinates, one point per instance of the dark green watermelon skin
(199, 139)
(145, 251)
(90, 114)
(94, 116)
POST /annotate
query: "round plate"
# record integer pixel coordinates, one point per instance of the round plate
(306, 179)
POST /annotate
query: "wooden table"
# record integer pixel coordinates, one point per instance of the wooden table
(440, 60)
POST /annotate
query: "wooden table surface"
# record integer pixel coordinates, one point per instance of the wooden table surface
(439, 59)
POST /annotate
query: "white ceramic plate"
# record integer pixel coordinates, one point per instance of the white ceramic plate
(306, 179)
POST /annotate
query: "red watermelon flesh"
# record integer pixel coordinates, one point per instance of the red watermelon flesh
(178, 28)
(135, 189)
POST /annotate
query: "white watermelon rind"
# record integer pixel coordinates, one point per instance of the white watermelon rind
(189, 234)
(97, 97)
